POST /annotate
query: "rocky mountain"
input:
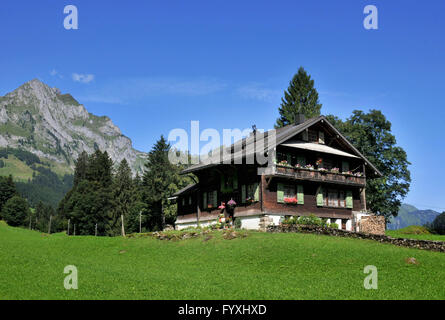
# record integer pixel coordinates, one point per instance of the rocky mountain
(410, 215)
(55, 126)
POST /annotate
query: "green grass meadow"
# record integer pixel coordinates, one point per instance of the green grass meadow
(259, 266)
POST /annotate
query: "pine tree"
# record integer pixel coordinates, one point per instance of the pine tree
(159, 182)
(7, 190)
(300, 97)
(80, 171)
(122, 192)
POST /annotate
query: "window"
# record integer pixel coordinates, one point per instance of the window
(251, 188)
(312, 136)
(212, 198)
(229, 182)
(334, 198)
(190, 200)
(183, 201)
(289, 191)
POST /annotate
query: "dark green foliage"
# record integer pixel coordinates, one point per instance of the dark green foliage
(46, 186)
(123, 191)
(40, 219)
(371, 134)
(90, 200)
(7, 190)
(438, 225)
(161, 180)
(15, 211)
(2, 164)
(237, 223)
(80, 171)
(300, 97)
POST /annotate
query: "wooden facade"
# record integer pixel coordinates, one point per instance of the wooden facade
(314, 171)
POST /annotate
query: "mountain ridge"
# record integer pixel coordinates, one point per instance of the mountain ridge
(55, 126)
(410, 215)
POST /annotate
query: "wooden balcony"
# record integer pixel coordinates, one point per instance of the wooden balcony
(315, 175)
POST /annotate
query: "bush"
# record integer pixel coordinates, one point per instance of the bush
(15, 211)
(438, 224)
(311, 220)
(237, 223)
(333, 225)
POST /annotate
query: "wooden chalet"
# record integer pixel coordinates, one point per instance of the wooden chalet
(312, 169)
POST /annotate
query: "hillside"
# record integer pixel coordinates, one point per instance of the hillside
(259, 266)
(54, 126)
(410, 215)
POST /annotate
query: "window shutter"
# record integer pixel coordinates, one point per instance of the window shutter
(300, 194)
(204, 200)
(321, 137)
(301, 160)
(349, 202)
(344, 166)
(215, 198)
(280, 193)
(257, 192)
(243, 193)
(320, 197)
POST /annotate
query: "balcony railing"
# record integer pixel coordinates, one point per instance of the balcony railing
(315, 175)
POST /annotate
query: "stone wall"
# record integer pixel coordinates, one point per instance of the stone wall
(372, 224)
(409, 243)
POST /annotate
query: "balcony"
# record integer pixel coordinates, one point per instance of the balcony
(315, 175)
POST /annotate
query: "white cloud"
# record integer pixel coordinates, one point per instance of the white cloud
(83, 78)
(55, 73)
(258, 92)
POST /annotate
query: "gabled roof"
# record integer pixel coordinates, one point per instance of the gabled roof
(282, 134)
(184, 190)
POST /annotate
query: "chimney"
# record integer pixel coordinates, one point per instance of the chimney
(300, 118)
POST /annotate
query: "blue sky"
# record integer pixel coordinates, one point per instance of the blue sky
(152, 66)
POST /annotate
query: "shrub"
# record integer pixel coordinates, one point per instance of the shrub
(237, 223)
(311, 220)
(15, 211)
(333, 225)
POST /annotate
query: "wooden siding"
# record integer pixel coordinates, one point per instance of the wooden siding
(270, 204)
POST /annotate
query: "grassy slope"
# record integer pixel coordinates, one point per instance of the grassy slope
(398, 234)
(261, 266)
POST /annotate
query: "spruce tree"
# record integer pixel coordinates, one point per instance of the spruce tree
(80, 171)
(159, 182)
(122, 192)
(300, 97)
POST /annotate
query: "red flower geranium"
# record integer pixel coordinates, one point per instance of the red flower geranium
(291, 200)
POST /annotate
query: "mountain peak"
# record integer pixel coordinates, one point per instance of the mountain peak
(55, 126)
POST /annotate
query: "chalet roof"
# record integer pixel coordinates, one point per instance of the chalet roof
(316, 147)
(236, 151)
